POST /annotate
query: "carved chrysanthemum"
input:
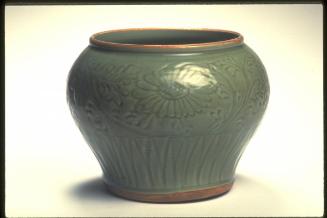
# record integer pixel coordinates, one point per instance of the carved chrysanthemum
(175, 91)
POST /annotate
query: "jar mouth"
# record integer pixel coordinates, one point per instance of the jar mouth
(165, 39)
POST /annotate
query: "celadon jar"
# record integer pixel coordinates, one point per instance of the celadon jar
(167, 112)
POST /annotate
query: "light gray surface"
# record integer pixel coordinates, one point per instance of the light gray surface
(50, 171)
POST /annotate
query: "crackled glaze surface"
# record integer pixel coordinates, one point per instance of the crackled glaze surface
(161, 122)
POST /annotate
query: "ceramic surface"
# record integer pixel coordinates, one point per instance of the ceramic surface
(164, 121)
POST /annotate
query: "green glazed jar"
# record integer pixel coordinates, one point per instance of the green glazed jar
(168, 112)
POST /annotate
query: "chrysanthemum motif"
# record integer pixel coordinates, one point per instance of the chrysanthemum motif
(229, 65)
(71, 99)
(111, 84)
(175, 91)
(111, 92)
(95, 116)
(259, 98)
(252, 65)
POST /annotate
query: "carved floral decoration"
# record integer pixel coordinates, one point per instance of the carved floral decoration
(175, 91)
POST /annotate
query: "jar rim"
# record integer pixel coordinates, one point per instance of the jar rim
(166, 39)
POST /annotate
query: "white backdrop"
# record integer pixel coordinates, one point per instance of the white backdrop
(50, 170)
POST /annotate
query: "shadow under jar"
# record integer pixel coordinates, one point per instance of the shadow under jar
(167, 112)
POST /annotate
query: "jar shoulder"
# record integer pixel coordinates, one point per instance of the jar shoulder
(98, 62)
(169, 93)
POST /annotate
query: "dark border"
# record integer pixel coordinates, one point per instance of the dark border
(156, 2)
(153, 2)
(324, 101)
(2, 137)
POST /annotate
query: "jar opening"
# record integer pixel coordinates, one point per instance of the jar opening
(165, 38)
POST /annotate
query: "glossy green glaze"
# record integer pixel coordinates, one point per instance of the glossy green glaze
(167, 120)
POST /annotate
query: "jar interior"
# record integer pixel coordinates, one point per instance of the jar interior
(165, 36)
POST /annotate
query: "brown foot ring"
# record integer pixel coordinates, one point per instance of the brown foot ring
(172, 197)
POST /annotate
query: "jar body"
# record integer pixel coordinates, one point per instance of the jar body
(163, 123)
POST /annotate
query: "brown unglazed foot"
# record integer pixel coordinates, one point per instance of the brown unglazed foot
(173, 197)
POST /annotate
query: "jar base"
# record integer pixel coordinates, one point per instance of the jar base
(172, 197)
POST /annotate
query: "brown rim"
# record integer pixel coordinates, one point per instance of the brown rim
(234, 41)
(174, 197)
